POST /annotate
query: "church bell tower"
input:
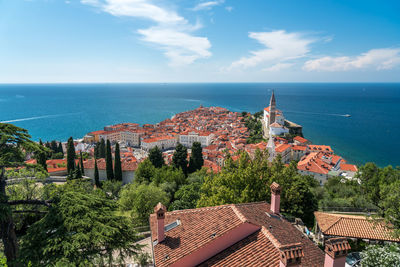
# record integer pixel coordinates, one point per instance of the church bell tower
(272, 109)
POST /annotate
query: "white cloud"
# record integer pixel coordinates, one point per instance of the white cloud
(279, 66)
(90, 2)
(142, 9)
(181, 48)
(172, 33)
(280, 48)
(207, 5)
(229, 8)
(379, 59)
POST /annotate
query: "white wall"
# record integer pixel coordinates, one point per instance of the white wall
(127, 176)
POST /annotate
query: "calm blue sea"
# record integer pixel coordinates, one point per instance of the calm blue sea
(63, 110)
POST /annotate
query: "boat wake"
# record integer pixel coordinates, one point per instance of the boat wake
(40, 117)
(317, 113)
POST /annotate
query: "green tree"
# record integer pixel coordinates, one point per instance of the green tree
(54, 146)
(41, 159)
(109, 163)
(97, 150)
(390, 205)
(81, 161)
(117, 164)
(239, 181)
(168, 174)
(156, 157)
(3, 260)
(14, 142)
(196, 158)
(187, 196)
(179, 159)
(82, 227)
(369, 174)
(141, 200)
(300, 200)
(70, 156)
(145, 172)
(57, 156)
(102, 149)
(78, 172)
(96, 174)
(27, 189)
(382, 256)
(60, 148)
(112, 188)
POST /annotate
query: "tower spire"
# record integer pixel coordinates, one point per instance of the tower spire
(272, 109)
(272, 102)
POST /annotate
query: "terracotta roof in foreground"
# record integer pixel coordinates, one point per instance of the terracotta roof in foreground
(200, 227)
(353, 226)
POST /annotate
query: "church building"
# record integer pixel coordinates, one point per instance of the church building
(274, 121)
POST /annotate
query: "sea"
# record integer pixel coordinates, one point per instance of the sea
(370, 134)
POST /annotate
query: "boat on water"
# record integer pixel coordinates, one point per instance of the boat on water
(347, 115)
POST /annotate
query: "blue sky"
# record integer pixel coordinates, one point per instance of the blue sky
(199, 41)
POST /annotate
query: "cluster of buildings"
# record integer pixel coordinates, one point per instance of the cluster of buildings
(216, 129)
(318, 161)
(220, 131)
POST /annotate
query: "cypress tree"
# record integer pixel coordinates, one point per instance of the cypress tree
(70, 156)
(82, 168)
(97, 150)
(41, 160)
(109, 165)
(102, 149)
(54, 146)
(179, 159)
(60, 148)
(117, 164)
(96, 174)
(156, 157)
(196, 158)
(77, 172)
(42, 157)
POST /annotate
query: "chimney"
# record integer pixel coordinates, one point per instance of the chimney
(291, 255)
(159, 210)
(336, 251)
(275, 197)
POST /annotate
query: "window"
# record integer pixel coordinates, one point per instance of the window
(172, 225)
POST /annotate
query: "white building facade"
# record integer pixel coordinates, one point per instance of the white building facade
(163, 143)
(187, 139)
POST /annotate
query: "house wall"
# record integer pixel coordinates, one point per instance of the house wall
(127, 176)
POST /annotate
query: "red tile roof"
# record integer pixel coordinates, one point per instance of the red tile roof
(300, 139)
(322, 148)
(348, 167)
(354, 226)
(302, 148)
(199, 227)
(314, 162)
(242, 253)
(282, 147)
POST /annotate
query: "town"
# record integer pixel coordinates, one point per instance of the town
(220, 132)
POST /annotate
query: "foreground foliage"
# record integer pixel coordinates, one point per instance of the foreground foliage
(382, 256)
(81, 228)
(141, 200)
